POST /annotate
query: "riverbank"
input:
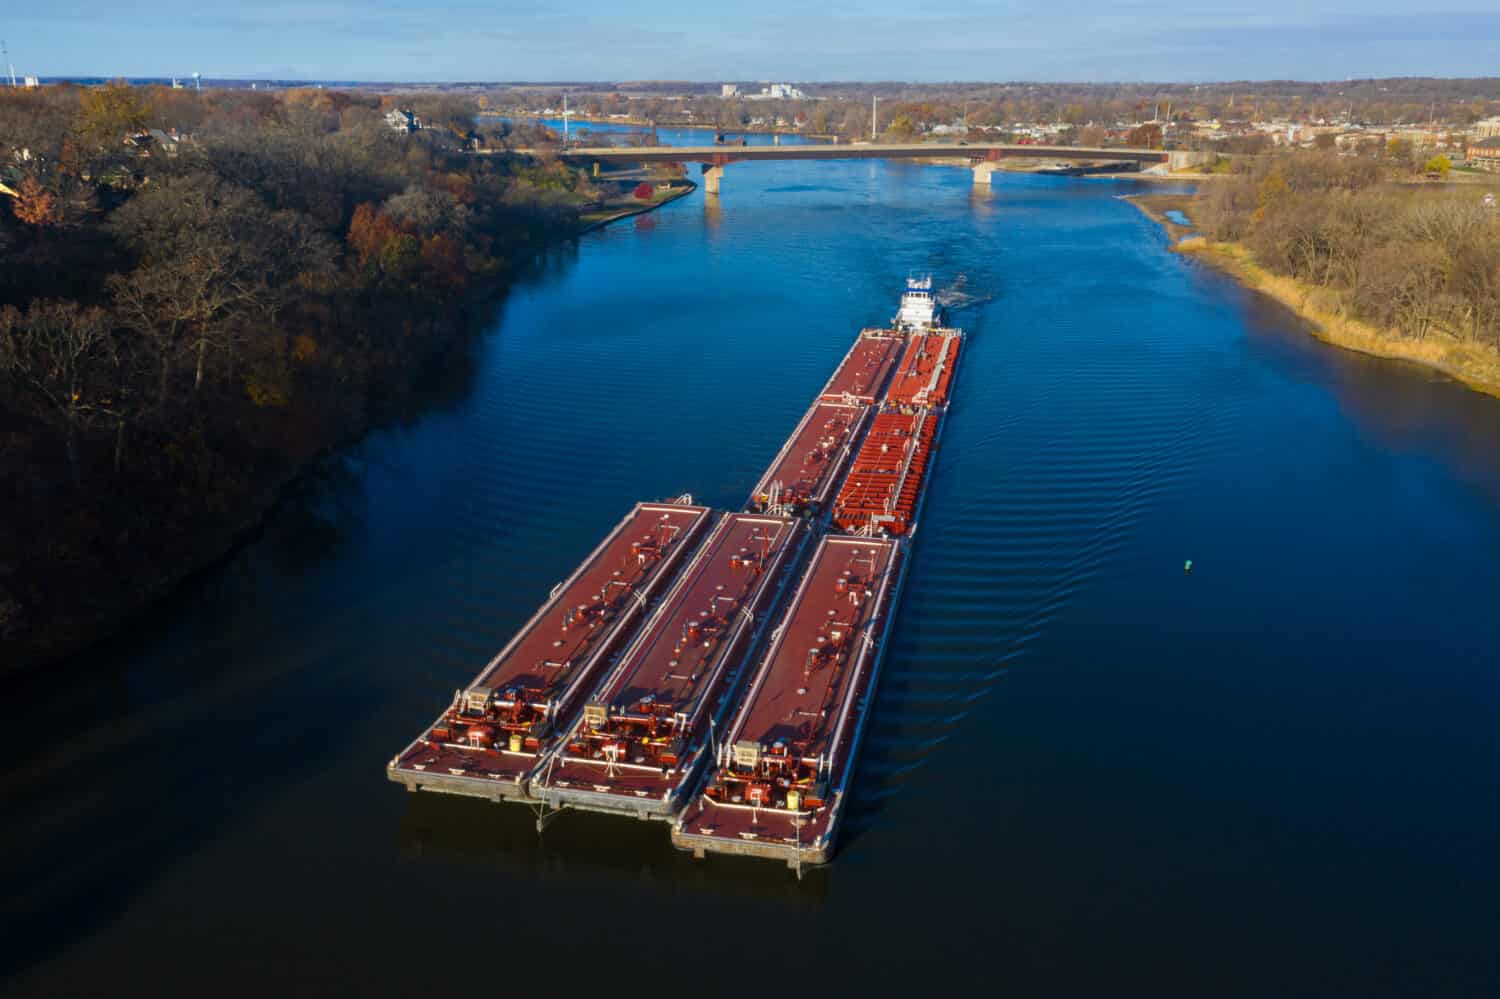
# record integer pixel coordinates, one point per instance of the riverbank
(1321, 309)
(109, 564)
(614, 211)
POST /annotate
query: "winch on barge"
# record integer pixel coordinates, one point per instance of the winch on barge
(490, 739)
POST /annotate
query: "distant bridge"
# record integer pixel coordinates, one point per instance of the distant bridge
(983, 157)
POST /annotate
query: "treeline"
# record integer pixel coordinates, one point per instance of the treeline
(844, 109)
(200, 291)
(1410, 259)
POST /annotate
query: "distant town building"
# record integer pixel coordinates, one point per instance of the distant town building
(729, 90)
(1485, 154)
(777, 92)
(1489, 128)
(403, 120)
(32, 81)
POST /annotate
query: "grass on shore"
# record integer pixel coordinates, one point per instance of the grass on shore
(619, 208)
(1323, 310)
(1475, 365)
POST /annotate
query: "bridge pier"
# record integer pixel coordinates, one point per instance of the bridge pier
(712, 175)
(982, 172)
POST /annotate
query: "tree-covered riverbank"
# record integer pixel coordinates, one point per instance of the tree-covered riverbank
(200, 293)
(1387, 269)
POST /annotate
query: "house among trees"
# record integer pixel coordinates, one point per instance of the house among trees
(155, 140)
(403, 120)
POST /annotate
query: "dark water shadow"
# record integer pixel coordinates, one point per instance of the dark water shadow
(130, 727)
(501, 840)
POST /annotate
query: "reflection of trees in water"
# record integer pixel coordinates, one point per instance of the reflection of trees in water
(1403, 407)
(325, 509)
(320, 515)
(503, 838)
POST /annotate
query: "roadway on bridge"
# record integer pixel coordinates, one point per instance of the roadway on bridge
(720, 154)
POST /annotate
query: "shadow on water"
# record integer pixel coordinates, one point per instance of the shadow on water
(583, 846)
(1403, 406)
(134, 728)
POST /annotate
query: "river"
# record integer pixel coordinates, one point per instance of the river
(1087, 770)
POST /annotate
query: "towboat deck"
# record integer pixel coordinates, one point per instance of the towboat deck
(782, 767)
(645, 731)
(497, 728)
(807, 468)
(862, 374)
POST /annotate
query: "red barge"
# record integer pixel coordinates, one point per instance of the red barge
(490, 739)
(784, 768)
(602, 703)
(783, 765)
(642, 737)
(807, 468)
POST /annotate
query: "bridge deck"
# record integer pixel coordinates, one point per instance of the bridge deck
(873, 150)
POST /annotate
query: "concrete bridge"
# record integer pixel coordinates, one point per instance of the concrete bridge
(983, 157)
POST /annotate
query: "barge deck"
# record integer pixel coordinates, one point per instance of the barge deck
(491, 737)
(643, 736)
(862, 374)
(782, 769)
(881, 492)
(803, 474)
(926, 370)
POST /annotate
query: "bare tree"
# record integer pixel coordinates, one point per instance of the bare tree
(63, 354)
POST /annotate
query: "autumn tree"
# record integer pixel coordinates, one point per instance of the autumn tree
(110, 112)
(34, 204)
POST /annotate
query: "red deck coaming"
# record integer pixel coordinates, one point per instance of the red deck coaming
(811, 460)
(865, 369)
(519, 663)
(886, 477)
(925, 372)
(687, 678)
(772, 712)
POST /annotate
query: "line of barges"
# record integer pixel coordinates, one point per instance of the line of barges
(701, 667)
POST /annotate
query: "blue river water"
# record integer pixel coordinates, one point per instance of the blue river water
(1088, 772)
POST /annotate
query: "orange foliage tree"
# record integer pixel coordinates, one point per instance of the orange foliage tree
(369, 231)
(34, 204)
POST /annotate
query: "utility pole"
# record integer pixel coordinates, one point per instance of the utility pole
(874, 114)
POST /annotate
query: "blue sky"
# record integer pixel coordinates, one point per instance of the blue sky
(803, 41)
